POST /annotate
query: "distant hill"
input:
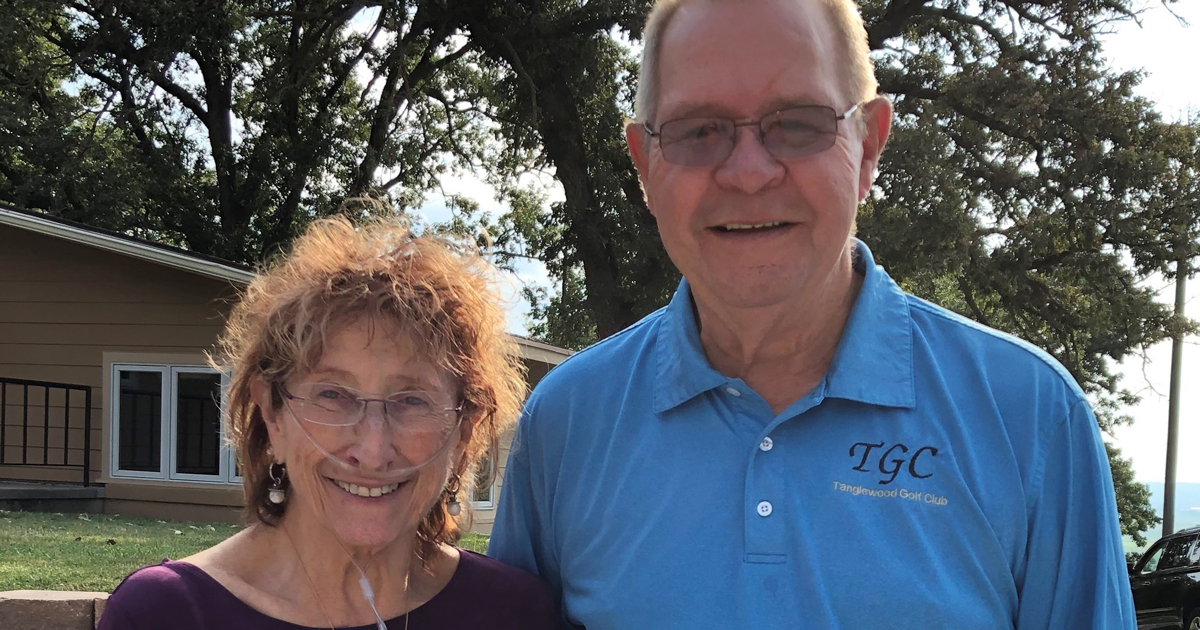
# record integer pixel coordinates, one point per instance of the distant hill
(1187, 509)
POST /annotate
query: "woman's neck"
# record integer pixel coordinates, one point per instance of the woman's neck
(304, 562)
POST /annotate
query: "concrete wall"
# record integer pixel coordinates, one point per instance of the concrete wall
(50, 610)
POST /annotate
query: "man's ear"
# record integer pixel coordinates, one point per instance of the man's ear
(262, 394)
(877, 126)
(638, 142)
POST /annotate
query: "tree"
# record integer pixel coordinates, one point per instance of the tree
(1133, 499)
(244, 119)
(1025, 185)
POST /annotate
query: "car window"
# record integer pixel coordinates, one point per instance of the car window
(1151, 563)
(1176, 555)
(1193, 552)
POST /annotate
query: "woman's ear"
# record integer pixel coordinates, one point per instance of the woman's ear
(263, 396)
(466, 429)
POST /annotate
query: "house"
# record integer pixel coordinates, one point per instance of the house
(103, 330)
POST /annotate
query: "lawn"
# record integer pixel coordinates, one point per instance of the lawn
(93, 552)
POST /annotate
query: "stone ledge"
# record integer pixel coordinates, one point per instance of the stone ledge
(50, 610)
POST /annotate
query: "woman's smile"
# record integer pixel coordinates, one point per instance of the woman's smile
(366, 490)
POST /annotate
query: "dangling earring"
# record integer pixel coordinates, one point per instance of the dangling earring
(277, 494)
(453, 506)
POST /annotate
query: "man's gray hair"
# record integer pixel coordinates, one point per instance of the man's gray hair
(843, 14)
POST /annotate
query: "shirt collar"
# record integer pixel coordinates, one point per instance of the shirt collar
(873, 363)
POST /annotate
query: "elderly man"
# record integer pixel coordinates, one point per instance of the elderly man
(794, 442)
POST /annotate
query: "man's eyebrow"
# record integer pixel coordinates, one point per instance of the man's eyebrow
(691, 109)
(785, 102)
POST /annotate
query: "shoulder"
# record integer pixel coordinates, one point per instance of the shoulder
(970, 347)
(496, 577)
(621, 351)
(504, 596)
(153, 594)
(574, 394)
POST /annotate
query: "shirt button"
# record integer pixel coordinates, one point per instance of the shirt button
(766, 444)
(764, 508)
(733, 391)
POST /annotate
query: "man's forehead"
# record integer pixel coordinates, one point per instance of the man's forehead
(715, 56)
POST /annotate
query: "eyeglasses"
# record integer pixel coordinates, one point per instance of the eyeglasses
(333, 405)
(788, 133)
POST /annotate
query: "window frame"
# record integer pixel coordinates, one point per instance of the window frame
(1193, 554)
(490, 503)
(1177, 553)
(169, 429)
(1158, 547)
(115, 417)
(223, 459)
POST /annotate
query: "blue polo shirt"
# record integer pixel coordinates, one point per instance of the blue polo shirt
(941, 475)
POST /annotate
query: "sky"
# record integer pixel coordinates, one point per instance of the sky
(1165, 50)
(1162, 47)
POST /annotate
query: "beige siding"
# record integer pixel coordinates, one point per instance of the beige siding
(62, 306)
(67, 311)
(482, 519)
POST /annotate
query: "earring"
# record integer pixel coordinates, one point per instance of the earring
(453, 506)
(277, 494)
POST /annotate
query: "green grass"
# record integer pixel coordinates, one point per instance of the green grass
(64, 552)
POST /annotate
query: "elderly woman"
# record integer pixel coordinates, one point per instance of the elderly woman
(370, 375)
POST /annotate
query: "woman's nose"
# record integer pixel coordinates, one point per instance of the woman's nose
(372, 447)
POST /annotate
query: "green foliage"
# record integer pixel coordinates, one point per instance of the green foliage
(226, 127)
(1133, 498)
(1025, 185)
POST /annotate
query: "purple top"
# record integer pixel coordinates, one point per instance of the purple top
(482, 593)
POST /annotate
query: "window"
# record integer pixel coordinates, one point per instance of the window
(1176, 555)
(167, 424)
(485, 490)
(1150, 564)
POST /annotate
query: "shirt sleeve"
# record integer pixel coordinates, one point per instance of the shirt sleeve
(521, 534)
(1075, 574)
(151, 597)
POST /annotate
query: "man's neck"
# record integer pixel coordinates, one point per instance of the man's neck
(784, 350)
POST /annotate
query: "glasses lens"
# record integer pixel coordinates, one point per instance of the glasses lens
(800, 131)
(420, 412)
(419, 425)
(326, 403)
(697, 141)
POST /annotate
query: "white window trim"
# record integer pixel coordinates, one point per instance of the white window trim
(115, 411)
(490, 503)
(168, 433)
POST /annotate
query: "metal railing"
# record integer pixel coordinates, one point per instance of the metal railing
(18, 397)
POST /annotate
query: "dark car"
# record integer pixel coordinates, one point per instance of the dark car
(1166, 583)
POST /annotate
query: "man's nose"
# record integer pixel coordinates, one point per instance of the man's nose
(749, 168)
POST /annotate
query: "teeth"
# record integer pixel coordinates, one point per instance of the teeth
(748, 226)
(364, 491)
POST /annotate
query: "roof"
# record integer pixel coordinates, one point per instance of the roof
(174, 257)
(189, 261)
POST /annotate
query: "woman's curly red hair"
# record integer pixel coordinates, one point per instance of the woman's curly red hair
(440, 292)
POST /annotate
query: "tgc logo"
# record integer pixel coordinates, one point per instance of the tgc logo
(892, 460)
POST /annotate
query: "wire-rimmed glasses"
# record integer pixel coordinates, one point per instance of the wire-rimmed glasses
(788, 133)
